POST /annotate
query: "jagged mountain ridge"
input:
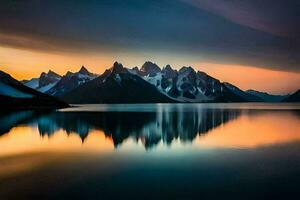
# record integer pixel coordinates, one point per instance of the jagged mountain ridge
(295, 97)
(183, 85)
(116, 85)
(71, 81)
(55, 85)
(187, 85)
(45, 82)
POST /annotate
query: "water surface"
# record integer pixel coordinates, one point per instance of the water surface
(183, 151)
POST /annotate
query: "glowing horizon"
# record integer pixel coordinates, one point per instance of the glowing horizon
(241, 43)
(25, 64)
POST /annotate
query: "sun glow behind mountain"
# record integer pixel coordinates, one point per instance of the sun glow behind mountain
(237, 42)
(25, 64)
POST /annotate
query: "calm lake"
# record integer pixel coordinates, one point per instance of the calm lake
(152, 151)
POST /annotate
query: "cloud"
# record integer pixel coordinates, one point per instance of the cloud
(276, 17)
(232, 31)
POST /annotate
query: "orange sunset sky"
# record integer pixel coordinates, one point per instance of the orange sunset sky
(239, 42)
(26, 64)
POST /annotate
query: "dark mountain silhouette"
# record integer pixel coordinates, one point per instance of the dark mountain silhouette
(295, 97)
(14, 95)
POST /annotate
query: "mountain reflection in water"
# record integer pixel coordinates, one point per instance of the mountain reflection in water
(214, 151)
(148, 127)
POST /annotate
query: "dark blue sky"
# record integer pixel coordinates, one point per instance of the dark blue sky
(263, 33)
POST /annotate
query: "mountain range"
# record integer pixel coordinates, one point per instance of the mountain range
(151, 84)
(44, 82)
(147, 84)
(53, 84)
(123, 85)
(116, 85)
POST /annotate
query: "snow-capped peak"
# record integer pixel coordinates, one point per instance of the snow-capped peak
(71, 81)
(44, 82)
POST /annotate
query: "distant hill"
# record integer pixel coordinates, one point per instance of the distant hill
(14, 95)
(266, 96)
(295, 97)
(245, 95)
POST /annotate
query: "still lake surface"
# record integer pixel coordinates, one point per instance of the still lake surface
(152, 151)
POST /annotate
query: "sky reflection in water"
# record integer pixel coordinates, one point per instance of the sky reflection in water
(102, 128)
(154, 151)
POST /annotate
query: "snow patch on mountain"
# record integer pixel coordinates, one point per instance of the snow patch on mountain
(118, 78)
(154, 80)
(71, 81)
(7, 90)
(44, 83)
(46, 88)
(185, 85)
(33, 83)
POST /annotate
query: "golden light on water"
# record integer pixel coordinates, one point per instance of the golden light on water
(247, 131)
(27, 140)
(253, 131)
